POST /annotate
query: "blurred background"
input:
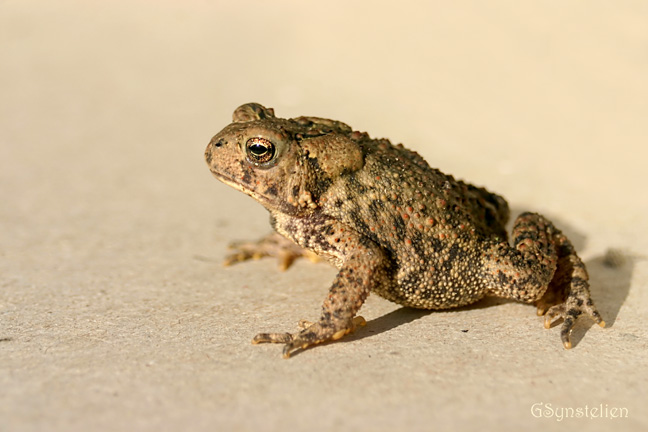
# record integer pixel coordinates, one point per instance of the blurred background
(105, 111)
(506, 95)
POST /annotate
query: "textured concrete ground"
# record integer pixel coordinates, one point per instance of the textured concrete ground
(115, 313)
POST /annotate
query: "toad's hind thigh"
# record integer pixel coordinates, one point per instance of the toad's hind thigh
(523, 272)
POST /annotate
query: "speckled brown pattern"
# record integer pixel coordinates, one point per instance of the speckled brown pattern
(390, 223)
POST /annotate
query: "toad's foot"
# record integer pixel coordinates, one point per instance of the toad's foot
(311, 334)
(272, 245)
(578, 302)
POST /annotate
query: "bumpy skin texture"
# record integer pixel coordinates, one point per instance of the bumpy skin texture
(390, 223)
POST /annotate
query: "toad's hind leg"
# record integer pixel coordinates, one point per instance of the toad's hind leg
(542, 268)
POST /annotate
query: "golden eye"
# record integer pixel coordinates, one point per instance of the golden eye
(259, 150)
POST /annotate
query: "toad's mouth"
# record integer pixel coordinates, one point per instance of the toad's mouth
(270, 203)
(240, 185)
(237, 184)
(228, 180)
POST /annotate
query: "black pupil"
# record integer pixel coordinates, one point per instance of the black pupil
(259, 149)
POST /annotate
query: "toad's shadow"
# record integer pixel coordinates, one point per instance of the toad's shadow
(610, 276)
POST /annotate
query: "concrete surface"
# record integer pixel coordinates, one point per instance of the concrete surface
(115, 313)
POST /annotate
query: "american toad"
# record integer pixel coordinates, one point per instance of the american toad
(390, 223)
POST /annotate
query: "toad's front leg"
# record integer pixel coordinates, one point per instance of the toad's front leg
(272, 245)
(364, 267)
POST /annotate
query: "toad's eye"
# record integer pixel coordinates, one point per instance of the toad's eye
(259, 150)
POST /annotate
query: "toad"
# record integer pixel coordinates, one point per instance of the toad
(391, 224)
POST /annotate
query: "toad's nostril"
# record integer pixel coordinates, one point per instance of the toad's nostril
(219, 143)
